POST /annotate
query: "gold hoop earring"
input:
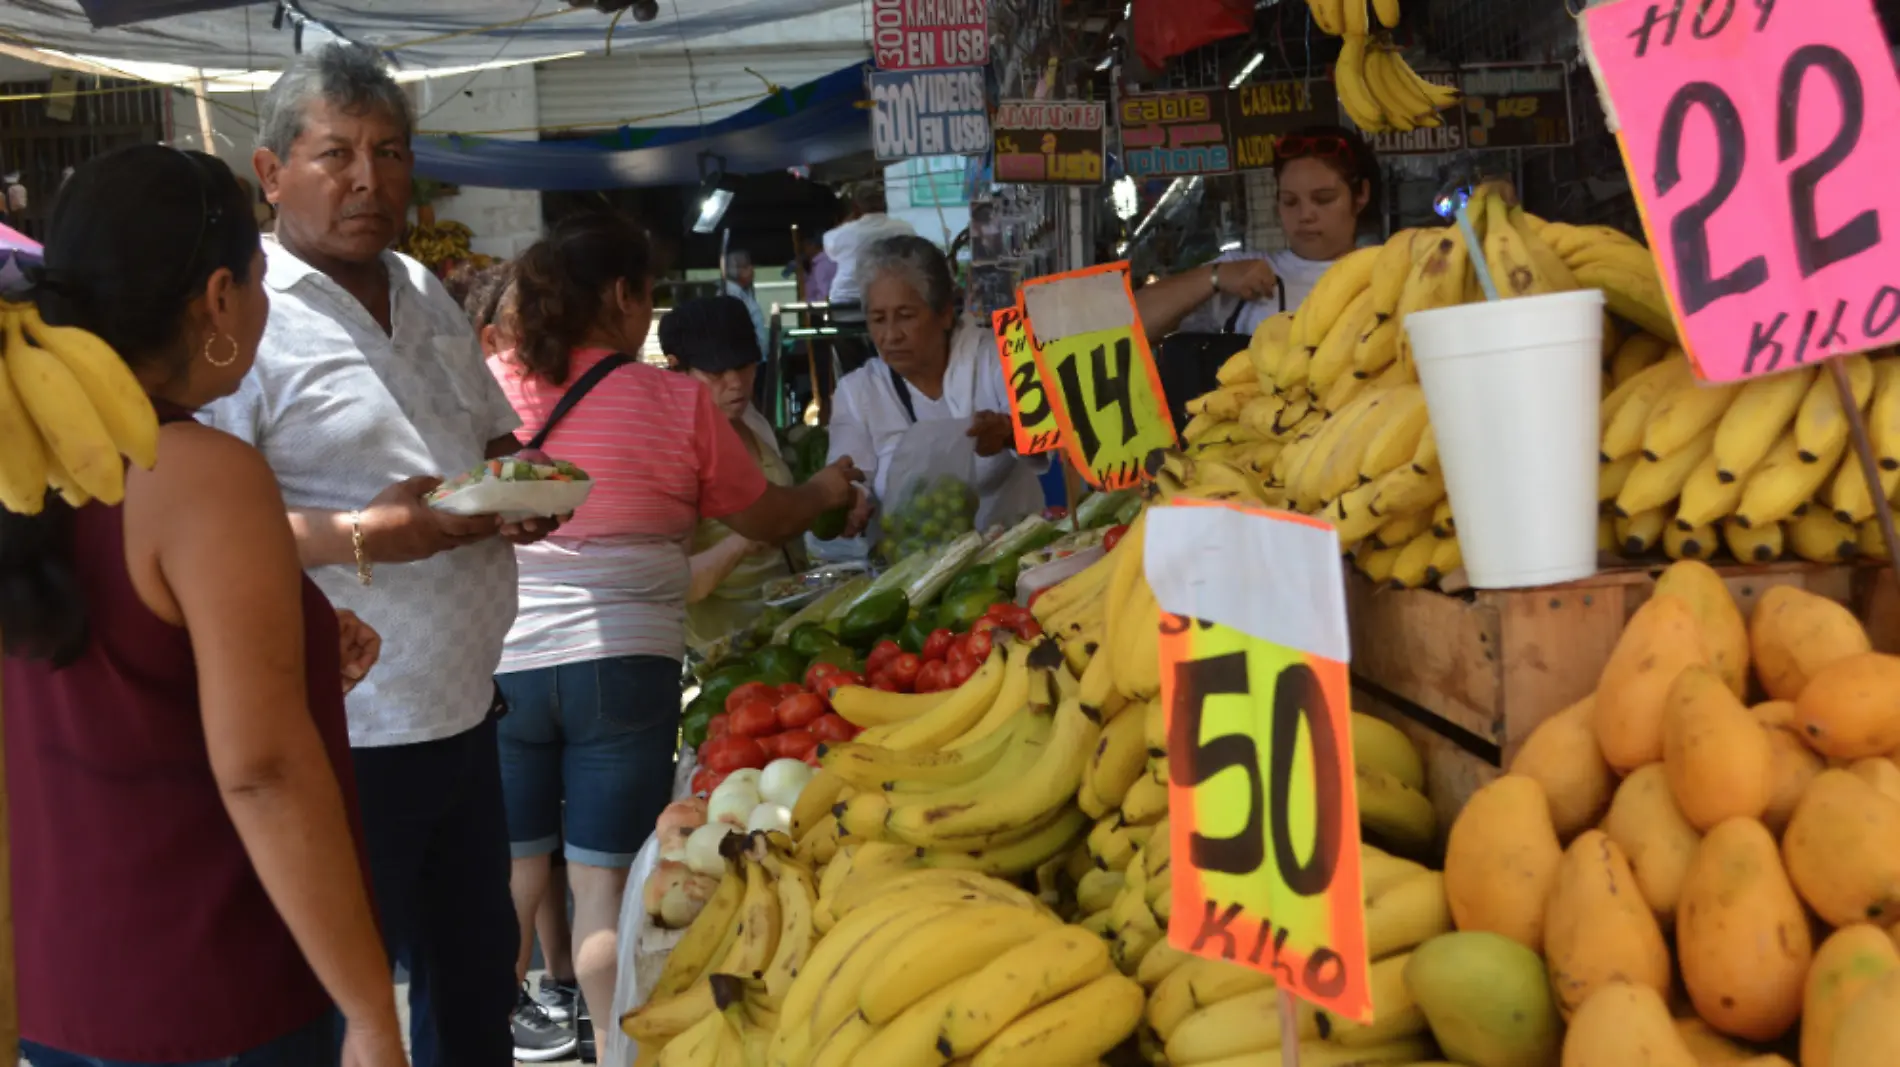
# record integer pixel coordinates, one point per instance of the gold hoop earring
(228, 360)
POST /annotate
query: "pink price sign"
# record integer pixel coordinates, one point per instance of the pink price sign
(1759, 137)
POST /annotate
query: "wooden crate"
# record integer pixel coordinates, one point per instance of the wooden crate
(1481, 669)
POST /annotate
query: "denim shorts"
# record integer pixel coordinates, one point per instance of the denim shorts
(313, 1046)
(600, 736)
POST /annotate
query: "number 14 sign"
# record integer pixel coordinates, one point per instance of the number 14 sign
(1759, 138)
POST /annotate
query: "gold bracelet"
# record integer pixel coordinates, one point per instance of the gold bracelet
(365, 571)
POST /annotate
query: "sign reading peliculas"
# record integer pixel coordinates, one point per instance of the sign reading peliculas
(921, 34)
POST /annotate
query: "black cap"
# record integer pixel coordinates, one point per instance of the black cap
(710, 334)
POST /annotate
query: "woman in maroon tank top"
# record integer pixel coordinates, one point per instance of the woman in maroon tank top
(185, 867)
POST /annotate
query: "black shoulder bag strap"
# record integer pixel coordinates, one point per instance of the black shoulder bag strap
(581, 387)
(903, 393)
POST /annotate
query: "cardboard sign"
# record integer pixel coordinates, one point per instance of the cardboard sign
(929, 113)
(1759, 142)
(1260, 113)
(1089, 347)
(921, 34)
(1030, 412)
(1262, 792)
(1165, 135)
(1054, 143)
(1523, 105)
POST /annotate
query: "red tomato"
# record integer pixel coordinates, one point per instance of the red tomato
(981, 642)
(885, 682)
(818, 674)
(705, 780)
(1113, 537)
(903, 670)
(961, 657)
(833, 727)
(1037, 595)
(1028, 629)
(718, 726)
(933, 677)
(984, 625)
(1001, 610)
(731, 753)
(937, 645)
(797, 712)
(881, 653)
(790, 689)
(797, 744)
(961, 669)
(747, 693)
(756, 719)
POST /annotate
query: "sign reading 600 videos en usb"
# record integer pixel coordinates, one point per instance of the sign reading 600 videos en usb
(929, 113)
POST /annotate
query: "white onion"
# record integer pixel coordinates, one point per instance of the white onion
(732, 806)
(783, 780)
(769, 817)
(702, 848)
(743, 778)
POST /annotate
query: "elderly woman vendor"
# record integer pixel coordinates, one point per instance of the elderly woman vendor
(932, 365)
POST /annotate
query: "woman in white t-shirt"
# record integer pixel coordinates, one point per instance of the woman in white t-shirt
(933, 365)
(1326, 176)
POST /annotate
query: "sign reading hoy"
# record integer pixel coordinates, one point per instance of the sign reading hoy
(1759, 141)
(921, 34)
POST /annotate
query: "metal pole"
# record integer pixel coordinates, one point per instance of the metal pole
(1289, 1031)
(207, 136)
(1869, 466)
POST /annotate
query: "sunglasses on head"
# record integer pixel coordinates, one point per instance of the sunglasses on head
(1296, 145)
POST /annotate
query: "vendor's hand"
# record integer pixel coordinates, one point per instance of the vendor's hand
(837, 483)
(377, 1046)
(861, 513)
(1248, 279)
(760, 548)
(532, 529)
(399, 527)
(993, 433)
(362, 645)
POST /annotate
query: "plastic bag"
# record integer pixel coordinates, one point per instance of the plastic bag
(644, 944)
(930, 494)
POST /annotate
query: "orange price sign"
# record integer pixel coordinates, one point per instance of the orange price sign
(1264, 812)
(1093, 356)
(1030, 413)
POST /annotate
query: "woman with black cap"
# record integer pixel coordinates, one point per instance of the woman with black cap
(713, 340)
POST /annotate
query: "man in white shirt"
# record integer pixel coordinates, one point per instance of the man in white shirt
(369, 387)
(867, 225)
(740, 276)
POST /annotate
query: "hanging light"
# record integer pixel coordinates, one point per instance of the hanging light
(716, 191)
(1127, 197)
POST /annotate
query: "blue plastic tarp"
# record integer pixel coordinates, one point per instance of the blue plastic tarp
(812, 123)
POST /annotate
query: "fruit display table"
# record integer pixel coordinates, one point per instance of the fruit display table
(1469, 675)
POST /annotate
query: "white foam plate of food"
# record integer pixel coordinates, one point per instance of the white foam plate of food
(525, 485)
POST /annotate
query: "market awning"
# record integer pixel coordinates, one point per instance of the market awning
(418, 34)
(813, 123)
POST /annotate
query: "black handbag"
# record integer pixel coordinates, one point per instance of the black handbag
(1190, 363)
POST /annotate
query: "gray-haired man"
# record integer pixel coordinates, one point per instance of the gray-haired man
(369, 387)
(740, 276)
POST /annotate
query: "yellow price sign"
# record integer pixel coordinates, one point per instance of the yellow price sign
(1261, 785)
(1099, 375)
(1030, 412)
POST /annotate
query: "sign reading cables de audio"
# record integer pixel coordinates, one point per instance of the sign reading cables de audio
(929, 113)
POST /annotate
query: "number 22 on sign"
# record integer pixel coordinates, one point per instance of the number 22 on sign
(1099, 374)
(1758, 136)
(1263, 810)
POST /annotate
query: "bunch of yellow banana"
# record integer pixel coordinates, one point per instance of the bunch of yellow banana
(1760, 468)
(718, 997)
(1380, 91)
(1208, 1011)
(69, 409)
(982, 778)
(925, 966)
(436, 243)
(1342, 17)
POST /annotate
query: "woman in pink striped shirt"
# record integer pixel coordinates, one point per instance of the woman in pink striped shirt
(591, 669)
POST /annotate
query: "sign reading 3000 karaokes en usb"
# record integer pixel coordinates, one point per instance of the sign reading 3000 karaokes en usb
(1760, 141)
(929, 113)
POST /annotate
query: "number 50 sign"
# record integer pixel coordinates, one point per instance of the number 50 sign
(1758, 135)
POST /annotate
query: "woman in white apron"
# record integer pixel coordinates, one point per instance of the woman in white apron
(933, 366)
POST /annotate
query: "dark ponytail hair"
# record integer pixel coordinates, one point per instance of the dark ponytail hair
(562, 282)
(135, 235)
